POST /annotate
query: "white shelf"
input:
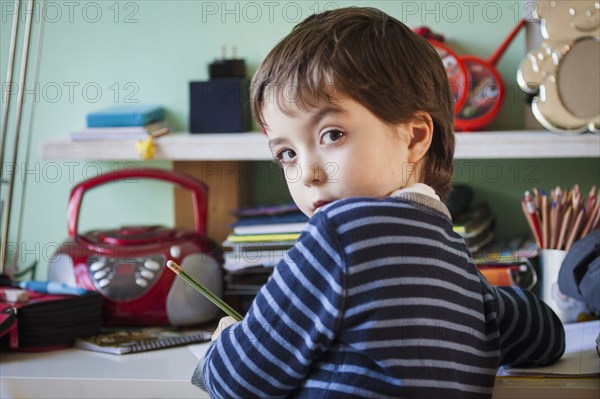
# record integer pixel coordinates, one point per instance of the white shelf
(253, 147)
(176, 147)
(526, 144)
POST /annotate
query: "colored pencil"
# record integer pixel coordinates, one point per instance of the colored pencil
(575, 229)
(560, 218)
(563, 229)
(590, 221)
(596, 222)
(553, 224)
(531, 222)
(545, 222)
(204, 291)
(591, 200)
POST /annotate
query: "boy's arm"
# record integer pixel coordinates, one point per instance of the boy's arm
(292, 320)
(530, 332)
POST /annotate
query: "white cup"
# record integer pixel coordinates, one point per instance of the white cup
(566, 308)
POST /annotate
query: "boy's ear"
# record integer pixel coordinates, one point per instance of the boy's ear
(421, 129)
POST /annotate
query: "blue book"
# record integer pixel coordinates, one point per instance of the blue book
(295, 217)
(266, 210)
(126, 115)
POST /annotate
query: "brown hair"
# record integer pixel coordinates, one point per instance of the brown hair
(372, 58)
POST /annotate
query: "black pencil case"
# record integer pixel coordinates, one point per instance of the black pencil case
(47, 322)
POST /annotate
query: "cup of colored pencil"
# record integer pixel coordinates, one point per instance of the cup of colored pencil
(560, 218)
(208, 294)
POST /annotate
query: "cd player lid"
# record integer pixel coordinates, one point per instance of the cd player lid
(134, 235)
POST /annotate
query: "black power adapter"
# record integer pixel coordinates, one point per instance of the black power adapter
(227, 67)
(221, 104)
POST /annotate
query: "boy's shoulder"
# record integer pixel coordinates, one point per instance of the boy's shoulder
(349, 213)
(353, 207)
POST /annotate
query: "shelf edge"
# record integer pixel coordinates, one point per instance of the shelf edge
(253, 146)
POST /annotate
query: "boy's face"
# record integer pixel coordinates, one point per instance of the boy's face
(338, 150)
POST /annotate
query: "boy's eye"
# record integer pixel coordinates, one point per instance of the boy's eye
(331, 136)
(285, 156)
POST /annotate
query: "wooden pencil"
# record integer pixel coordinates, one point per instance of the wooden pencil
(161, 132)
(556, 204)
(537, 198)
(204, 291)
(590, 221)
(565, 226)
(596, 222)
(545, 222)
(591, 200)
(560, 218)
(533, 209)
(530, 220)
(553, 226)
(573, 236)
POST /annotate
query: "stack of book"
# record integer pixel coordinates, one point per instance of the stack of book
(509, 261)
(123, 122)
(476, 226)
(241, 286)
(261, 238)
(503, 261)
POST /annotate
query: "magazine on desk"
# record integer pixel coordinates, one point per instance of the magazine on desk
(133, 340)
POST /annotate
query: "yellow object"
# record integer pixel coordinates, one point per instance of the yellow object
(146, 148)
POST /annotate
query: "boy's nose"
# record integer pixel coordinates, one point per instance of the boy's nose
(313, 173)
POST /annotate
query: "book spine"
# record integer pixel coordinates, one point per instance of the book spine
(114, 119)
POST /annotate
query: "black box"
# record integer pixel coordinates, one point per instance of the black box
(220, 106)
(227, 69)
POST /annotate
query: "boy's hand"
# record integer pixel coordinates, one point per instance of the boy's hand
(223, 324)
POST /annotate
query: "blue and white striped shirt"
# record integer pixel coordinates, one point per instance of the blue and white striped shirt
(379, 298)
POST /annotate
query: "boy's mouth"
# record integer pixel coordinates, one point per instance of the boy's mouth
(318, 204)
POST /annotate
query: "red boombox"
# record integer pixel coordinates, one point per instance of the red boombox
(127, 264)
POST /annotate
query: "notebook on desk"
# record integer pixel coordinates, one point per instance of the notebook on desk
(134, 340)
(579, 360)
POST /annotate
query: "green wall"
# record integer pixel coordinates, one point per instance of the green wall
(501, 182)
(100, 53)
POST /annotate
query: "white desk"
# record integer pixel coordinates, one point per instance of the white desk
(74, 373)
(546, 388)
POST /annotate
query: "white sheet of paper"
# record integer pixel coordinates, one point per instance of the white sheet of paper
(580, 357)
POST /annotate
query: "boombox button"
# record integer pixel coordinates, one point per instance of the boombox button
(101, 274)
(141, 282)
(175, 251)
(103, 283)
(97, 266)
(147, 274)
(151, 264)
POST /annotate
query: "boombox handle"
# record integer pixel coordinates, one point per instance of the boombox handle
(198, 189)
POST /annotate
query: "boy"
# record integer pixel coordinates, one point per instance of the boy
(379, 297)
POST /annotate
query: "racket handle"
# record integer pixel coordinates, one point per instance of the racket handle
(498, 53)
